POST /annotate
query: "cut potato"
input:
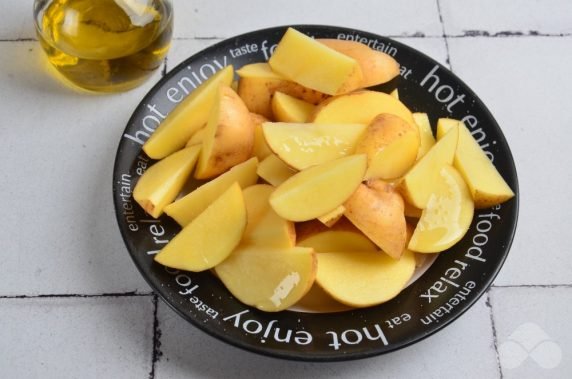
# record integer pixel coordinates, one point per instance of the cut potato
(377, 210)
(319, 189)
(391, 145)
(330, 218)
(190, 206)
(228, 137)
(448, 214)
(359, 107)
(287, 108)
(342, 237)
(395, 93)
(427, 140)
(376, 66)
(187, 117)
(274, 170)
(211, 237)
(363, 278)
(322, 68)
(265, 227)
(418, 184)
(258, 83)
(486, 185)
(163, 181)
(269, 279)
(305, 145)
(260, 150)
(319, 301)
(196, 138)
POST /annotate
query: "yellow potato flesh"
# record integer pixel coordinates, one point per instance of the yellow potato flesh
(274, 170)
(258, 84)
(319, 189)
(359, 107)
(270, 279)
(338, 240)
(330, 218)
(305, 145)
(261, 150)
(418, 184)
(395, 93)
(318, 300)
(363, 278)
(211, 237)
(376, 66)
(287, 108)
(391, 145)
(163, 181)
(190, 206)
(228, 138)
(377, 210)
(322, 68)
(486, 185)
(187, 117)
(427, 140)
(447, 216)
(196, 138)
(265, 227)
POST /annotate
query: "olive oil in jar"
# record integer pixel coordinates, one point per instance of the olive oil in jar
(104, 45)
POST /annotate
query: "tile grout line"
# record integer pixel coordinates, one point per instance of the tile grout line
(156, 353)
(494, 330)
(448, 58)
(533, 286)
(77, 295)
(465, 34)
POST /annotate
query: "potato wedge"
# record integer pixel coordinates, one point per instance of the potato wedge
(427, 140)
(448, 214)
(188, 116)
(305, 145)
(261, 150)
(330, 218)
(228, 138)
(185, 209)
(418, 184)
(343, 236)
(391, 145)
(376, 66)
(196, 138)
(211, 237)
(377, 209)
(287, 108)
(269, 279)
(265, 227)
(163, 181)
(487, 186)
(363, 278)
(322, 69)
(274, 171)
(309, 193)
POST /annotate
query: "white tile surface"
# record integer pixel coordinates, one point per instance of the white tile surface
(16, 20)
(533, 331)
(204, 18)
(494, 16)
(190, 353)
(76, 338)
(185, 48)
(433, 47)
(528, 92)
(57, 149)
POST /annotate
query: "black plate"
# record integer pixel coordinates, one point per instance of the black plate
(451, 286)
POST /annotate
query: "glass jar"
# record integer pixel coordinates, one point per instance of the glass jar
(104, 45)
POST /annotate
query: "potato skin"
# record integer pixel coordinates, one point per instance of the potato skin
(229, 137)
